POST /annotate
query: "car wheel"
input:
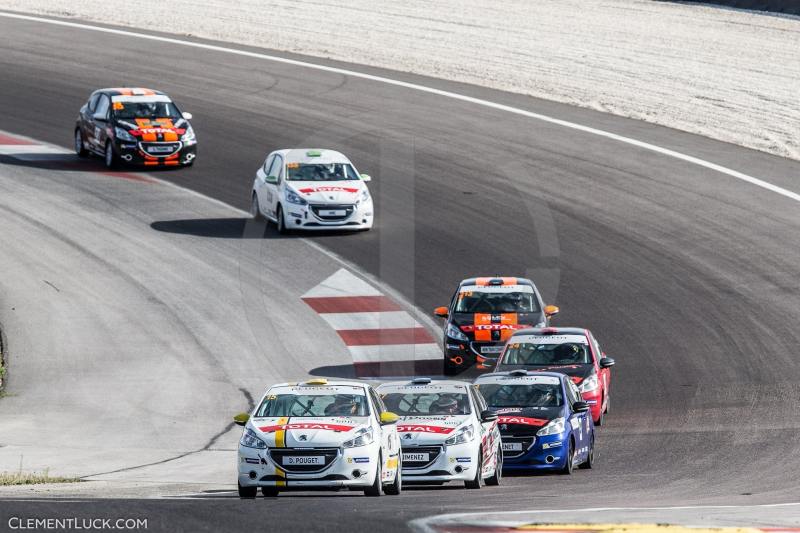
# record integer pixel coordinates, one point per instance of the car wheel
(269, 492)
(110, 157)
(477, 481)
(589, 462)
(247, 492)
(608, 405)
(494, 479)
(569, 464)
(448, 368)
(280, 222)
(255, 211)
(376, 488)
(397, 485)
(601, 418)
(80, 149)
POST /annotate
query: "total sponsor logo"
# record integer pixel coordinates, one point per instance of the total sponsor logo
(521, 420)
(326, 427)
(146, 131)
(492, 327)
(423, 428)
(310, 190)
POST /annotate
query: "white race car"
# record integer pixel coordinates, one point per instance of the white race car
(319, 435)
(446, 432)
(311, 190)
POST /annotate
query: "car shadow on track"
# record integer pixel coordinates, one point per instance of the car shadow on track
(232, 228)
(71, 163)
(418, 367)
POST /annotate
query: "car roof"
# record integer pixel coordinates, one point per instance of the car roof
(130, 91)
(496, 280)
(496, 376)
(312, 155)
(320, 382)
(444, 384)
(550, 331)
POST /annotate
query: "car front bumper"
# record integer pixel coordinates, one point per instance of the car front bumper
(139, 153)
(454, 463)
(316, 217)
(547, 453)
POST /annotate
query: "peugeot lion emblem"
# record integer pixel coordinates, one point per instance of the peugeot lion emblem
(303, 437)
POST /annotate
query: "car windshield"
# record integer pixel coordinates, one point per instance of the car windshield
(425, 403)
(496, 302)
(321, 172)
(313, 405)
(529, 395)
(530, 354)
(134, 110)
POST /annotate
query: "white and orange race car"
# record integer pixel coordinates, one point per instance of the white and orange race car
(316, 435)
(446, 432)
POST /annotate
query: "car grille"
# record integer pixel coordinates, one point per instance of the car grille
(432, 451)
(317, 209)
(476, 348)
(330, 455)
(527, 443)
(160, 149)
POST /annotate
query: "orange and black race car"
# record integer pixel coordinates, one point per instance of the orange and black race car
(135, 125)
(483, 314)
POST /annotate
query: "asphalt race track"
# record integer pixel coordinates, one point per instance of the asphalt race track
(688, 277)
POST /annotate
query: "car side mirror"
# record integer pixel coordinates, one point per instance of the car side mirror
(271, 179)
(388, 418)
(488, 416)
(99, 117)
(241, 419)
(441, 311)
(187, 116)
(550, 310)
(366, 177)
(606, 362)
(580, 407)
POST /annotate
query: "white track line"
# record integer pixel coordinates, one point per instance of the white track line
(423, 88)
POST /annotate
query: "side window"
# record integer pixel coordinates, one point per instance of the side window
(480, 403)
(277, 168)
(93, 102)
(102, 106)
(268, 163)
(377, 402)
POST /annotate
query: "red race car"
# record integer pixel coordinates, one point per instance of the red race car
(571, 351)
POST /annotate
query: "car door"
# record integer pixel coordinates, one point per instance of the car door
(275, 184)
(388, 436)
(99, 123)
(603, 374)
(578, 421)
(85, 120)
(260, 183)
(490, 432)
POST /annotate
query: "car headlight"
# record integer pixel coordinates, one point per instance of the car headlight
(461, 436)
(454, 333)
(294, 198)
(251, 440)
(363, 437)
(553, 428)
(589, 384)
(363, 197)
(188, 136)
(123, 135)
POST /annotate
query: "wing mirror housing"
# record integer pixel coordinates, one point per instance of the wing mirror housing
(99, 117)
(550, 310)
(187, 115)
(366, 177)
(607, 362)
(271, 179)
(241, 419)
(488, 416)
(580, 407)
(441, 311)
(388, 418)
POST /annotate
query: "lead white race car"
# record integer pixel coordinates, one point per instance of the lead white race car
(311, 190)
(319, 435)
(446, 432)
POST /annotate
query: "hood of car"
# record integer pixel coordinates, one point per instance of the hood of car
(494, 327)
(154, 129)
(329, 192)
(300, 432)
(420, 430)
(527, 419)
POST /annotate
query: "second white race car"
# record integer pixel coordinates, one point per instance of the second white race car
(446, 432)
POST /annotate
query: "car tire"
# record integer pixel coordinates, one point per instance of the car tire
(601, 419)
(396, 487)
(255, 211)
(608, 405)
(247, 492)
(80, 147)
(270, 492)
(589, 462)
(110, 158)
(569, 464)
(477, 481)
(376, 488)
(448, 368)
(494, 479)
(280, 221)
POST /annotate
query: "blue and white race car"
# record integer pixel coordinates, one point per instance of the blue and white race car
(544, 423)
